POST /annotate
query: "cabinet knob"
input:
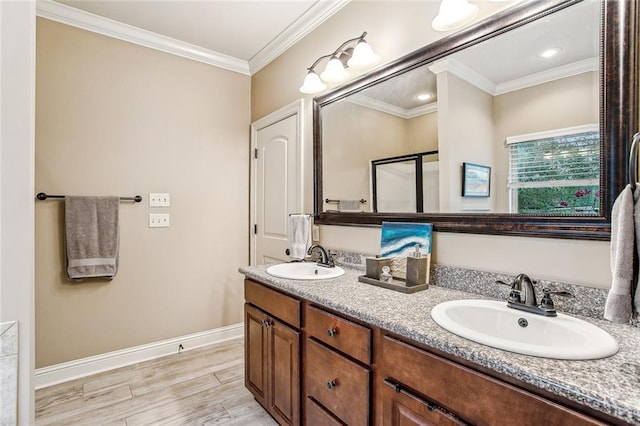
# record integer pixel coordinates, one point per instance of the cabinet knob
(332, 332)
(332, 384)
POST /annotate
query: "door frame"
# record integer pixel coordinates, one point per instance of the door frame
(295, 108)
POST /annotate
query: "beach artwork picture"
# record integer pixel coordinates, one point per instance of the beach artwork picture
(400, 239)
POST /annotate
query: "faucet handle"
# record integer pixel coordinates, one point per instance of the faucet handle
(514, 294)
(547, 301)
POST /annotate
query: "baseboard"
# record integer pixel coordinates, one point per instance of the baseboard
(59, 373)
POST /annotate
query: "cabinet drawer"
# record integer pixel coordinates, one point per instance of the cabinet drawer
(344, 335)
(281, 306)
(473, 396)
(339, 384)
(315, 415)
(403, 408)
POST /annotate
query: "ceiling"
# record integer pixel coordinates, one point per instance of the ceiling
(510, 61)
(253, 32)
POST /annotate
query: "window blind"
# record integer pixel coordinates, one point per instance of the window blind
(574, 157)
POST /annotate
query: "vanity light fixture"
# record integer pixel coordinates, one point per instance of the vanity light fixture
(358, 56)
(454, 14)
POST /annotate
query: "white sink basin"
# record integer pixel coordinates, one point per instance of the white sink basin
(494, 324)
(304, 271)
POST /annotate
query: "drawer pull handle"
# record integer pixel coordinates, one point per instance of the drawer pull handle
(332, 332)
(397, 387)
(332, 384)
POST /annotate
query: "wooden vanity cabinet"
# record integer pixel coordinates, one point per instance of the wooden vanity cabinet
(429, 387)
(343, 371)
(272, 352)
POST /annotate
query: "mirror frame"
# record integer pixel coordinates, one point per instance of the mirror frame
(618, 122)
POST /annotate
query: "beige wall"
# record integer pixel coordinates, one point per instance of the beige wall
(422, 133)
(113, 118)
(465, 134)
(396, 28)
(358, 134)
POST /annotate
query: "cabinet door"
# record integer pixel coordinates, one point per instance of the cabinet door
(255, 356)
(284, 372)
(400, 407)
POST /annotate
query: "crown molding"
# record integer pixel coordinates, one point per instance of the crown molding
(422, 110)
(388, 108)
(310, 20)
(462, 71)
(574, 68)
(472, 77)
(88, 21)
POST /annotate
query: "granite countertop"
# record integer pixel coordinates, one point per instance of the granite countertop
(610, 385)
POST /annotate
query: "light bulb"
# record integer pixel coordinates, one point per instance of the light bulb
(312, 84)
(362, 56)
(454, 14)
(334, 72)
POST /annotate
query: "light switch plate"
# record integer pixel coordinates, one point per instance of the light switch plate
(159, 220)
(315, 230)
(159, 199)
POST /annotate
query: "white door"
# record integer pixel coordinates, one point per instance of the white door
(277, 184)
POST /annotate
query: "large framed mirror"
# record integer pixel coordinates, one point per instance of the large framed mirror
(555, 132)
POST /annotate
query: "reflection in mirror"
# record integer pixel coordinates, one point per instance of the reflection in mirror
(490, 104)
(408, 183)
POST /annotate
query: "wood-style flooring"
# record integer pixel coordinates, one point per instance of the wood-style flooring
(203, 386)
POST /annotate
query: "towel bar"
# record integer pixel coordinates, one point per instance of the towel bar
(43, 196)
(362, 201)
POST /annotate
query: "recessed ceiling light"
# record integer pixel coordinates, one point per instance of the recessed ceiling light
(549, 53)
(424, 96)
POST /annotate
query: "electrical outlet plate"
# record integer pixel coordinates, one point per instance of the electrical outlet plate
(316, 233)
(159, 199)
(159, 220)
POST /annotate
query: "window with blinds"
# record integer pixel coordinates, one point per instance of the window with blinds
(555, 172)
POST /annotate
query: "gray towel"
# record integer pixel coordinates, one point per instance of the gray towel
(636, 217)
(618, 307)
(92, 236)
(299, 235)
(348, 205)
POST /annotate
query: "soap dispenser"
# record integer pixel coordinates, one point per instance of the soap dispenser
(417, 268)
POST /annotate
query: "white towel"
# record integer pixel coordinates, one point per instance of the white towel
(618, 307)
(299, 235)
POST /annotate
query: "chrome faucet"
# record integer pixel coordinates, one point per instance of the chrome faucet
(523, 286)
(325, 256)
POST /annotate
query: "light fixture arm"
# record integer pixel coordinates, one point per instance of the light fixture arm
(343, 45)
(338, 50)
(313, 66)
